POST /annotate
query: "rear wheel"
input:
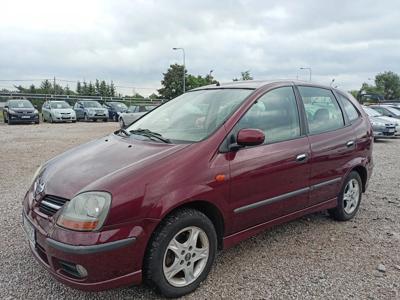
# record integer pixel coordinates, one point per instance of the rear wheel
(5, 118)
(180, 253)
(115, 118)
(349, 198)
(105, 120)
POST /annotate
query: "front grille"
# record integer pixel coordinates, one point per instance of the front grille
(42, 253)
(51, 204)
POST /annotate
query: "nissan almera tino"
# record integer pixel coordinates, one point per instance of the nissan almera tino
(155, 201)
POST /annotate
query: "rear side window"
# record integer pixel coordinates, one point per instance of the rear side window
(322, 110)
(276, 114)
(349, 108)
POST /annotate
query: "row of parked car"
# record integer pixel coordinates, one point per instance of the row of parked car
(23, 111)
(385, 119)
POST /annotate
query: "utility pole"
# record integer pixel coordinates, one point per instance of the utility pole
(54, 85)
(184, 67)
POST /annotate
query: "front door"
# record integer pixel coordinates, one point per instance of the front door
(270, 180)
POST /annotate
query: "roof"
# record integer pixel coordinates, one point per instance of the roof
(255, 84)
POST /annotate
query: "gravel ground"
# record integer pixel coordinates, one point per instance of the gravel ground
(311, 258)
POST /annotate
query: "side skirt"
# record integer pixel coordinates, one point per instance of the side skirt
(237, 237)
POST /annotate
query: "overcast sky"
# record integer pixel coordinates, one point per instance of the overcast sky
(130, 41)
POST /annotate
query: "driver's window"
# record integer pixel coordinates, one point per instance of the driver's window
(276, 114)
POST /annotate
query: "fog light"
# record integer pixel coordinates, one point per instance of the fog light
(81, 270)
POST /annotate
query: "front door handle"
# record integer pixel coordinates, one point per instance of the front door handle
(350, 144)
(301, 157)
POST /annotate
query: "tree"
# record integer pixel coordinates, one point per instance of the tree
(103, 89)
(84, 89)
(97, 87)
(172, 82)
(153, 96)
(244, 76)
(112, 89)
(193, 82)
(91, 89)
(46, 87)
(389, 83)
(78, 88)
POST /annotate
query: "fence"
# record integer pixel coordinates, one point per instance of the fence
(39, 99)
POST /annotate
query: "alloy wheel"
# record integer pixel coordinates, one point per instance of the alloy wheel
(351, 196)
(186, 256)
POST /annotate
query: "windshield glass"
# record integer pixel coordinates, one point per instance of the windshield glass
(393, 110)
(118, 106)
(371, 112)
(91, 104)
(193, 116)
(20, 104)
(59, 104)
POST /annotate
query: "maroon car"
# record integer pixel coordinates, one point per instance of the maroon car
(202, 172)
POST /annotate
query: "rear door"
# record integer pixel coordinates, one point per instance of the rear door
(270, 180)
(332, 140)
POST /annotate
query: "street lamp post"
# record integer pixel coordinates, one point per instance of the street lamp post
(309, 69)
(184, 67)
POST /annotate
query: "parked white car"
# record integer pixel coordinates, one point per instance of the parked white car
(133, 113)
(373, 113)
(58, 111)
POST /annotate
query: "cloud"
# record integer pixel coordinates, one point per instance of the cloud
(131, 42)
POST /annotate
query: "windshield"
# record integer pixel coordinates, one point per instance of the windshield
(20, 104)
(371, 112)
(193, 116)
(393, 110)
(118, 106)
(91, 104)
(59, 104)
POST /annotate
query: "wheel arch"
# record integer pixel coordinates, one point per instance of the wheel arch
(362, 171)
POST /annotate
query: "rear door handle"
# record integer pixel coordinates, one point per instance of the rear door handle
(301, 157)
(350, 144)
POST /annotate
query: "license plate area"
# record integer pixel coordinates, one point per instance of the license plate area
(25, 117)
(29, 230)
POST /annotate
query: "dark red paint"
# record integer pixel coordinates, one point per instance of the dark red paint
(149, 180)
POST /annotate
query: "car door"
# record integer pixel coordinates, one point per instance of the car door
(270, 180)
(333, 142)
(78, 110)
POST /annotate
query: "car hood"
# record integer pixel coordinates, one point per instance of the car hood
(18, 109)
(63, 110)
(380, 120)
(73, 171)
(390, 120)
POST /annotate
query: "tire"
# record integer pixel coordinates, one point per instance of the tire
(105, 120)
(115, 119)
(85, 117)
(51, 119)
(74, 121)
(352, 191)
(175, 231)
(5, 119)
(37, 122)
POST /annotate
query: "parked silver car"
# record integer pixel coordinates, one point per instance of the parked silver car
(373, 113)
(58, 111)
(382, 128)
(133, 113)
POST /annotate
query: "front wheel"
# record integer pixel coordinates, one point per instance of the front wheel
(349, 198)
(180, 253)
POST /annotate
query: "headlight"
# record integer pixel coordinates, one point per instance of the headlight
(378, 124)
(85, 212)
(37, 173)
(10, 111)
(36, 112)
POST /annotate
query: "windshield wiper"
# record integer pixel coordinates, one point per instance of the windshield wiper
(127, 133)
(150, 134)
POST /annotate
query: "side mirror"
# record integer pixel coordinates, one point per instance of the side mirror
(248, 137)
(6, 106)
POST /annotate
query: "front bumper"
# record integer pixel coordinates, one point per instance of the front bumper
(105, 264)
(23, 118)
(63, 118)
(112, 257)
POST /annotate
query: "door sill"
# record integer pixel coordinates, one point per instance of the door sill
(237, 237)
